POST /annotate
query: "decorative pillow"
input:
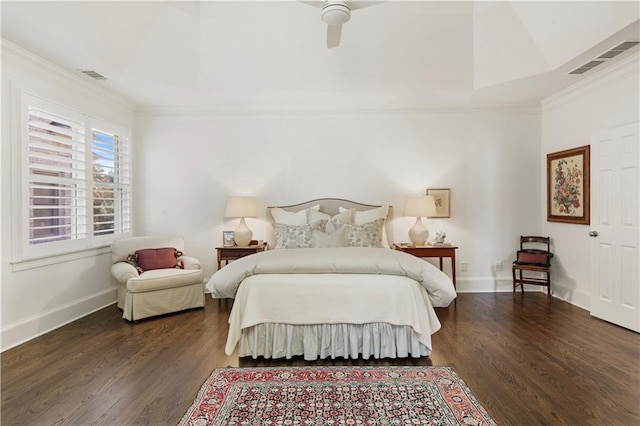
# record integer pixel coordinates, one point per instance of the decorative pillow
(366, 216)
(160, 258)
(316, 215)
(292, 236)
(366, 235)
(292, 218)
(534, 257)
(132, 260)
(342, 218)
(326, 239)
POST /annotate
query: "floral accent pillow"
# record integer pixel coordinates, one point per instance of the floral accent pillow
(292, 236)
(366, 235)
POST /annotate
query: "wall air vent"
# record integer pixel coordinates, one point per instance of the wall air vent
(626, 45)
(94, 75)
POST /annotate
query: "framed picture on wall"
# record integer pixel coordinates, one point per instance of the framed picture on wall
(442, 197)
(227, 239)
(568, 181)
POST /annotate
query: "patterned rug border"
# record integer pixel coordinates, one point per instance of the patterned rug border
(222, 379)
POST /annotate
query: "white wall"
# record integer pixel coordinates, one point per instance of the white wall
(569, 118)
(38, 299)
(188, 165)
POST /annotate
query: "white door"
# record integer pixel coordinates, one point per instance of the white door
(615, 176)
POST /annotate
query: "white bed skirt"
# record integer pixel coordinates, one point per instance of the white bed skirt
(377, 340)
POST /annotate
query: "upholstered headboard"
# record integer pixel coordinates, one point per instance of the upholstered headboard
(329, 206)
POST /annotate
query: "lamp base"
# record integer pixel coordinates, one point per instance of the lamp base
(242, 234)
(418, 234)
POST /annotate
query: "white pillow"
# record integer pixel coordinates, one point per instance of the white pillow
(326, 239)
(292, 218)
(316, 216)
(367, 216)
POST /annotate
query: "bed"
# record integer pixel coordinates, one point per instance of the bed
(331, 287)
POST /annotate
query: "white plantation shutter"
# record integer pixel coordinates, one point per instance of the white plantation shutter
(111, 183)
(75, 186)
(57, 178)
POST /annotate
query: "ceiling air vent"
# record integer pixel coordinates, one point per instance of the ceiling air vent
(94, 75)
(625, 45)
(586, 67)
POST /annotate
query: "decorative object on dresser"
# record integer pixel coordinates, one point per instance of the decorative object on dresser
(228, 253)
(241, 207)
(155, 277)
(534, 256)
(442, 197)
(336, 396)
(439, 236)
(419, 206)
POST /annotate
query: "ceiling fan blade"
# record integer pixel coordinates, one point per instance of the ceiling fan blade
(314, 3)
(353, 5)
(334, 32)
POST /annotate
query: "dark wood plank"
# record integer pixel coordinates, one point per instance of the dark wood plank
(529, 360)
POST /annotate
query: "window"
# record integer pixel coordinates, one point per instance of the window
(111, 182)
(76, 181)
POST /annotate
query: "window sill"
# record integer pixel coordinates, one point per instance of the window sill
(37, 262)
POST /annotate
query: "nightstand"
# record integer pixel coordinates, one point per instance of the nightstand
(229, 253)
(433, 251)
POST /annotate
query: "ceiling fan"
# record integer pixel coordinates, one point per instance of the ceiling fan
(335, 13)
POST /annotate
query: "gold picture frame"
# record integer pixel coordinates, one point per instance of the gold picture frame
(227, 239)
(568, 186)
(442, 198)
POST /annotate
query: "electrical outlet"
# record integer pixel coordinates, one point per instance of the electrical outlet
(464, 265)
(497, 266)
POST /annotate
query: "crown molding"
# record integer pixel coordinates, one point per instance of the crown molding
(620, 70)
(221, 111)
(15, 53)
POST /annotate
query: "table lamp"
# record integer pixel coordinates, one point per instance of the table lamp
(419, 206)
(241, 207)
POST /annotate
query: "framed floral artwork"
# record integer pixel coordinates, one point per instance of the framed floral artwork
(568, 186)
(443, 204)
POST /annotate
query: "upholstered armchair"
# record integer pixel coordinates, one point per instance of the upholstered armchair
(155, 277)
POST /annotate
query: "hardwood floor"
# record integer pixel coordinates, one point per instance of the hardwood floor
(528, 360)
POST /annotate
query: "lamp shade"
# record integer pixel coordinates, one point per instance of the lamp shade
(241, 207)
(419, 206)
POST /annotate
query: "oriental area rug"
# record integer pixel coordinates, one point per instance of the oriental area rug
(335, 396)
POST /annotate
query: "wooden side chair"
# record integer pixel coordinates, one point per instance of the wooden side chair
(534, 256)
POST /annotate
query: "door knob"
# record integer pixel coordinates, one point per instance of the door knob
(593, 233)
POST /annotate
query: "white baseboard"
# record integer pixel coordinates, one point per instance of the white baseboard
(580, 299)
(491, 285)
(29, 328)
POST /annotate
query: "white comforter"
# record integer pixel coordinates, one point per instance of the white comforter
(333, 286)
(348, 260)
